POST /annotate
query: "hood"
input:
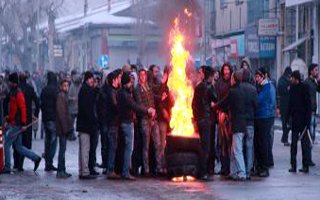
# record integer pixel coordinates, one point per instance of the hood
(52, 78)
(247, 60)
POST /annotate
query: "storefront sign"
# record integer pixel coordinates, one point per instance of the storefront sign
(267, 47)
(268, 27)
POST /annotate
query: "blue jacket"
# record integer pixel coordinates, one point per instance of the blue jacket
(266, 100)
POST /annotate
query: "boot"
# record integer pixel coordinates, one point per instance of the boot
(293, 169)
(305, 169)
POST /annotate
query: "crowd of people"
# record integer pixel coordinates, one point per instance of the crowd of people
(129, 109)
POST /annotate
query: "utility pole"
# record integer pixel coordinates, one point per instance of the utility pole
(204, 34)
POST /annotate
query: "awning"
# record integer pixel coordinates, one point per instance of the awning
(295, 44)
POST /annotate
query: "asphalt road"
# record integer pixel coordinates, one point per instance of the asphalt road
(280, 185)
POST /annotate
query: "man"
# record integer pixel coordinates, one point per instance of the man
(299, 109)
(64, 127)
(148, 126)
(201, 113)
(30, 97)
(283, 92)
(86, 123)
(48, 107)
(222, 88)
(265, 112)
(250, 106)
(16, 125)
(236, 102)
(112, 121)
(127, 106)
(73, 98)
(313, 87)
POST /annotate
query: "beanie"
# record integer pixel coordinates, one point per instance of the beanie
(14, 78)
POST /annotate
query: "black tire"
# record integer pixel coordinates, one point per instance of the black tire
(181, 159)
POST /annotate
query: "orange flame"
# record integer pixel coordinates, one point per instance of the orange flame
(187, 12)
(183, 179)
(179, 86)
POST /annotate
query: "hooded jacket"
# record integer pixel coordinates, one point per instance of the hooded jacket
(48, 98)
(251, 77)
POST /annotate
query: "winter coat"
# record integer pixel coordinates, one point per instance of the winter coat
(127, 106)
(201, 102)
(313, 88)
(250, 101)
(236, 101)
(17, 115)
(222, 90)
(86, 121)
(30, 96)
(144, 97)
(283, 94)
(48, 98)
(63, 121)
(251, 76)
(266, 100)
(73, 97)
(299, 106)
(107, 106)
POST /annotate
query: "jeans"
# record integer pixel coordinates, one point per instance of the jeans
(248, 149)
(62, 151)
(237, 165)
(84, 148)
(12, 137)
(204, 127)
(128, 133)
(26, 142)
(112, 135)
(313, 126)
(150, 129)
(94, 138)
(50, 142)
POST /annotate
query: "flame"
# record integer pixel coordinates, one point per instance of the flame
(187, 12)
(180, 87)
(183, 179)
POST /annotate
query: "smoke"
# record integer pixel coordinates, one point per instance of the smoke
(166, 13)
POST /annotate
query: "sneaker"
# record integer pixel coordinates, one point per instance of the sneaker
(129, 178)
(263, 173)
(206, 178)
(36, 164)
(113, 176)
(304, 170)
(63, 175)
(312, 164)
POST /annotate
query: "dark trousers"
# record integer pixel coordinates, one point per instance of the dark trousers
(297, 129)
(94, 137)
(285, 128)
(26, 142)
(212, 145)
(104, 145)
(62, 152)
(204, 128)
(262, 143)
(137, 151)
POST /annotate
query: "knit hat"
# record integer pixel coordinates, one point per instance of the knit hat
(125, 78)
(296, 74)
(14, 78)
(87, 75)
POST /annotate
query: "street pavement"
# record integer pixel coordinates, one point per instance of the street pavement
(280, 185)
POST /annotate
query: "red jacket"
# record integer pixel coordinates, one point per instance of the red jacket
(17, 109)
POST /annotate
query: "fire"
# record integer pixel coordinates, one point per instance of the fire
(183, 179)
(187, 12)
(179, 86)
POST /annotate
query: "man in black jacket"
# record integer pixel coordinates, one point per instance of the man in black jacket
(201, 113)
(30, 97)
(48, 107)
(313, 87)
(283, 93)
(127, 107)
(86, 123)
(250, 92)
(299, 110)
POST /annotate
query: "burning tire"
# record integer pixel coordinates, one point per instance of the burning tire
(182, 156)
